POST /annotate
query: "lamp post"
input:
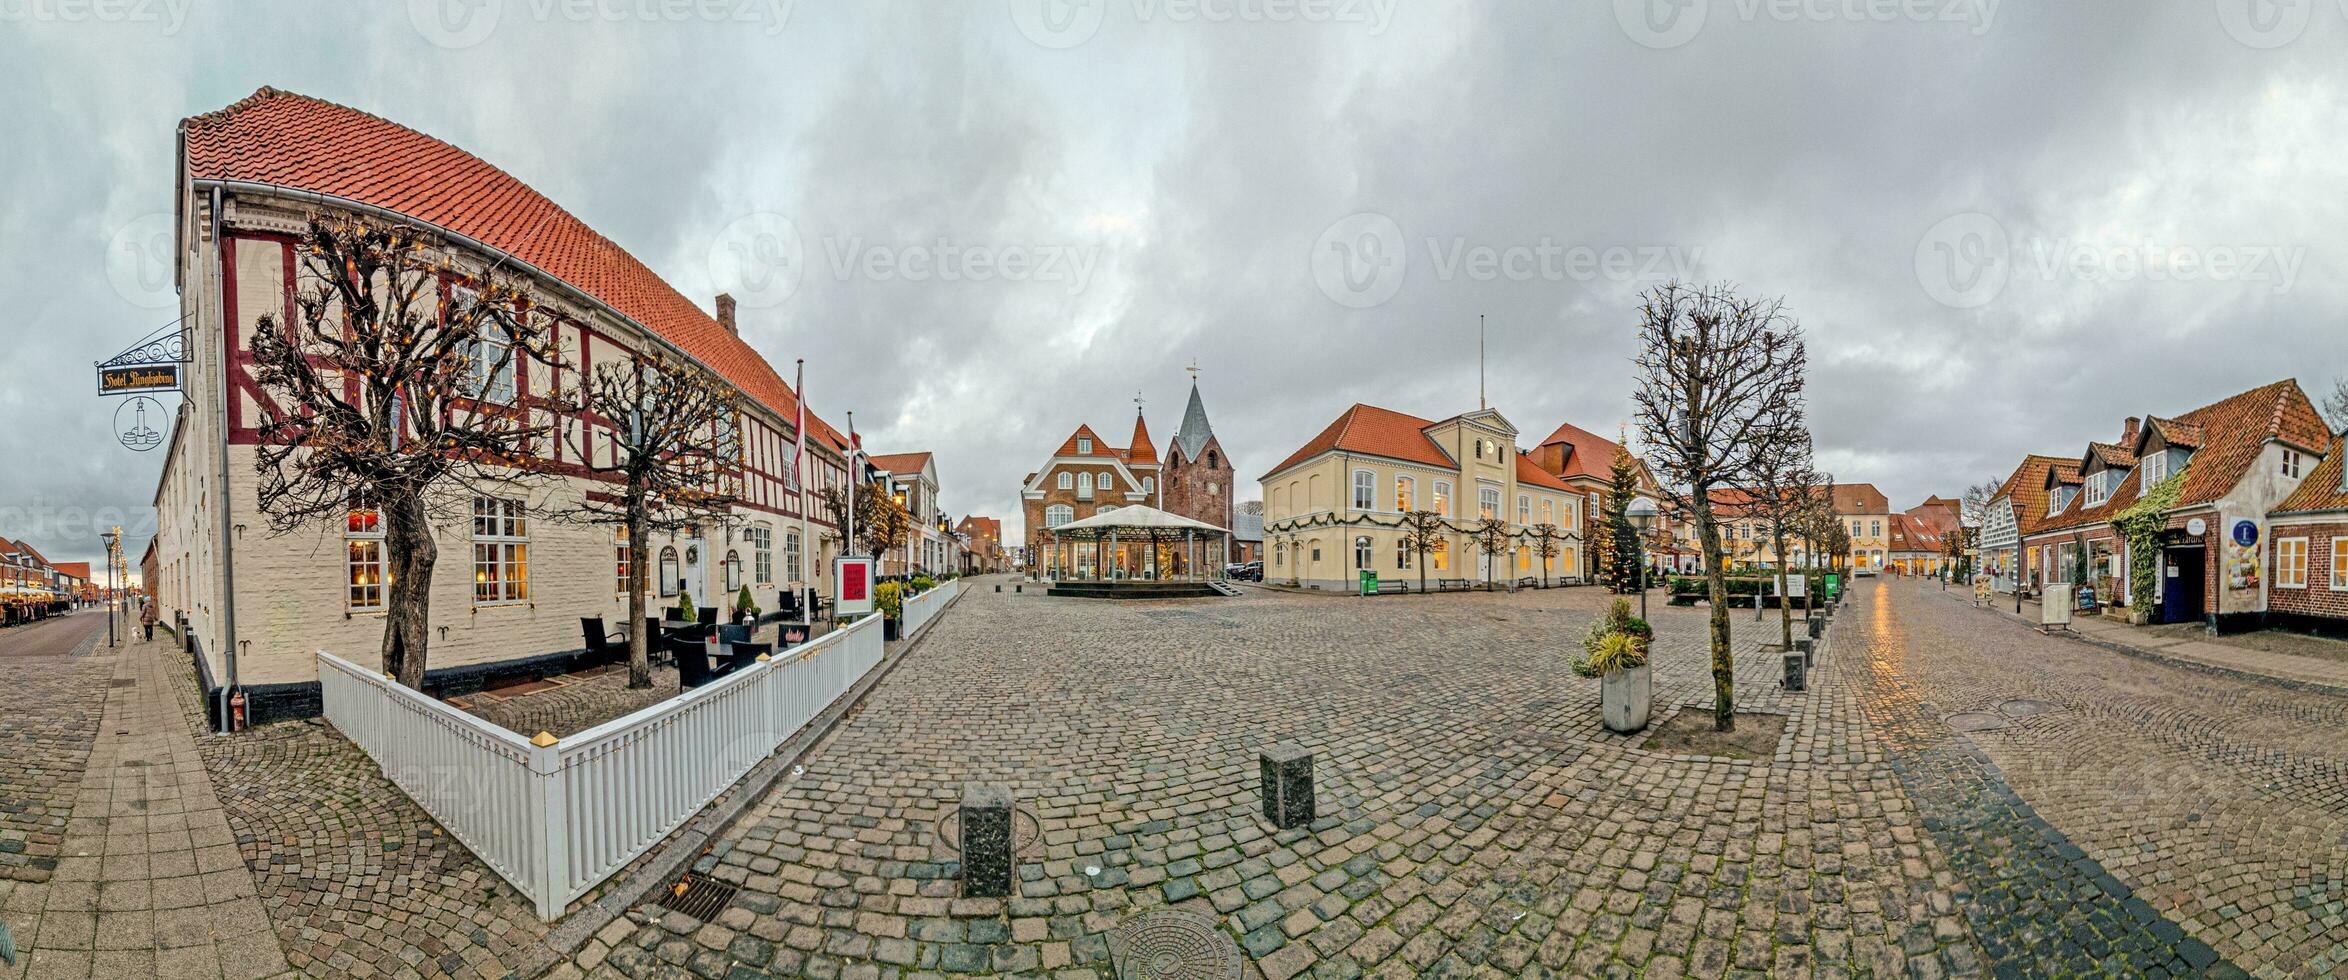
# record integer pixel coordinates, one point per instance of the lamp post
(112, 594)
(1642, 513)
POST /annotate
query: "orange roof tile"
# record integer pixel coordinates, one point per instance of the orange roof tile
(1140, 450)
(2025, 491)
(306, 144)
(1527, 473)
(2234, 431)
(899, 462)
(1099, 446)
(1592, 455)
(2322, 490)
(1378, 432)
(1859, 498)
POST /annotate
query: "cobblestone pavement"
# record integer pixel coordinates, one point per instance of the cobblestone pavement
(56, 691)
(355, 879)
(147, 881)
(1476, 819)
(2218, 803)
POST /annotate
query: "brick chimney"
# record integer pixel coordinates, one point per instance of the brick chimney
(2127, 437)
(725, 318)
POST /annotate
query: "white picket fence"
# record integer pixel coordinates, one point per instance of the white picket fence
(923, 608)
(556, 820)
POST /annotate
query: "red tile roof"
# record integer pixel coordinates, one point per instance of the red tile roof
(1378, 432)
(76, 569)
(306, 144)
(1911, 534)
(1528, 473)
(1860, 498)
(1100, 447)
(899, 462)
(2234, 431)
(2322, 489)
(1592, 455)
(1140, 450)
(2025, 491)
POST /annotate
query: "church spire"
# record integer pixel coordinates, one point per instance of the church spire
(1191, 439)
(1140, 450)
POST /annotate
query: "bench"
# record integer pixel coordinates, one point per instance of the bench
(1528, 582)
(1453, 585)
(1393, 588)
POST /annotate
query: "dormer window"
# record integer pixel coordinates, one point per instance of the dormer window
(2291, 463)
(2156, 469)
(1083, 447)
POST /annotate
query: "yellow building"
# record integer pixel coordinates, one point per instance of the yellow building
(1336, 507)
(1867, 513)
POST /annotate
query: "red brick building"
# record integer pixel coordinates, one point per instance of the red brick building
(2308, 567)
(1087, 476)
(1197, 476)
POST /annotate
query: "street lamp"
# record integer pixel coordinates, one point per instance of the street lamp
(109, 537)
(1642, 514)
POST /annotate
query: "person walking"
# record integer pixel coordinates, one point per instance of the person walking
(147, 619)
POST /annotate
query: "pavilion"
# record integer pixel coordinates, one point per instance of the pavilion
(1136, 552)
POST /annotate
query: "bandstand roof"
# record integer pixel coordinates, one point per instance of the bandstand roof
(1138, 520)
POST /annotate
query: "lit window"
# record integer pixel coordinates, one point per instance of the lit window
(1058, 514)
(1365, 491)
(1443, 498)
(1524, 557)
(501, 551)
(1439, 555)
(2291, 563)
(1406, 492)
(1488, 503)
(363, 547)
(762, 554)
(2340, 564)
(619, 550)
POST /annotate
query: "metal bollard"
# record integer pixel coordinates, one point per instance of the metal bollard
(1287, 772)
(988, 867)
(1809, 648)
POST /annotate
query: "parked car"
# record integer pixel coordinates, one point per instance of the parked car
(1251, 572)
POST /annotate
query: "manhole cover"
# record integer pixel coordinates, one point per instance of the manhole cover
(1975, 721)
(1027, 833)
(2024, 708)
(698, 897)
(1171, 944)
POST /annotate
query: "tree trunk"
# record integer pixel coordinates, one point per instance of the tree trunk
(408, 555)
(1785, 600)
(1724, 706)
(639, 638)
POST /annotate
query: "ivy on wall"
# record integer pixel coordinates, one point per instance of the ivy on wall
(2141, 525)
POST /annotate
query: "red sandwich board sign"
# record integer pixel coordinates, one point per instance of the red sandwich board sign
(854, 578)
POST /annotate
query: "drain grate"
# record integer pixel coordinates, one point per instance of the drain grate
(1027, 833)
(698, 897)
(1172, 944)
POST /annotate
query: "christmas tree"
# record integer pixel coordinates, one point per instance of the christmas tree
(1618, 540)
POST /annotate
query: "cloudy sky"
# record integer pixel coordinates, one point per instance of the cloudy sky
(2003, 226)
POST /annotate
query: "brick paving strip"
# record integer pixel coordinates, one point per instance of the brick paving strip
(148, 881)
(2038, 903)
(2282, 669)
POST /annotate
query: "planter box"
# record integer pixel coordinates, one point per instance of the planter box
(1626, 697)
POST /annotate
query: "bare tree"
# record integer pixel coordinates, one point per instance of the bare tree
(1720, 388)
(671, 453)
(1423, 531)
(1780, 499)
(1491, 537)
(1545, 545)
(2336, 405)
(881, 522)
(393, 395)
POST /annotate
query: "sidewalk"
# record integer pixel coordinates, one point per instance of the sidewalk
(2307, 673)
(148, 882)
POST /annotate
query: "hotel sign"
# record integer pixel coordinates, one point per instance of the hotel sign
(138, 378)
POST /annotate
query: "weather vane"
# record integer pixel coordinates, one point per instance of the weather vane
(1193, 369)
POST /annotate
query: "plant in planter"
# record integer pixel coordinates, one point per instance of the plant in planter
(745, 610)
(1615, 652)
(684, 612)
(923, 583)
(889, 599)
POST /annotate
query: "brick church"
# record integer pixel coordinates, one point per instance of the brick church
(1087, 475)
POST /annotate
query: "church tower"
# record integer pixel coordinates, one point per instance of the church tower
(1196, 472)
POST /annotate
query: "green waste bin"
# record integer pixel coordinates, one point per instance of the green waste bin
(1369, 582)
(1834, 587)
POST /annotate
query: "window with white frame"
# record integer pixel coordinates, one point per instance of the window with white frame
(619, 561)
(1058, 514)
(1362, 556)
(1488, 502)
(2340, 564)
(2291, 563)
(792, 555)
(1443, 498)
(1149, 484)
(2097, 487)
(363, 547)
(1546, 517)
(1406, 493)
(1067, 480)
(1084, 447)
(733, 567)
(669, 574)
(1083, 484)
(1524, 509)
(1402, 554)
(490, 376)
(2291, 461)
(1365, 491)
(762, 553)
(501, 551)
(1279, 554)
(2156, 469)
